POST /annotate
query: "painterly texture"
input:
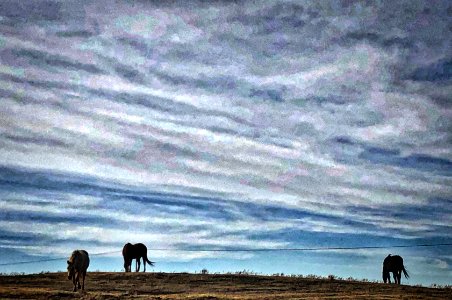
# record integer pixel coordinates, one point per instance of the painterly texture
(227, 124)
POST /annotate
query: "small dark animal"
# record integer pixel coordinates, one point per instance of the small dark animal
(137, 251)
(76, 266)
(394, 264)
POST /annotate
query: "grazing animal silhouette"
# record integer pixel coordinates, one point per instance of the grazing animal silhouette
(137, 251)
(394, 264)
(77, 265)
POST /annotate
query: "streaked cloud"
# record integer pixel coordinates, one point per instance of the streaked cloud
(204, 120)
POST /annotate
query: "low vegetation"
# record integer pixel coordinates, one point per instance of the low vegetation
(204, 285)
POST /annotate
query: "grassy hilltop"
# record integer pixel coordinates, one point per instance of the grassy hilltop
(108, 285)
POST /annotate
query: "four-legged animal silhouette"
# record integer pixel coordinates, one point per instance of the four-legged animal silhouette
(136, 251)
(393, 264)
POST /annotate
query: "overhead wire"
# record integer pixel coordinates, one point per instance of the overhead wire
(243, 250)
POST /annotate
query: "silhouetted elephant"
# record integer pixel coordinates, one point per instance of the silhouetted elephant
(137, 251)
(394, 264)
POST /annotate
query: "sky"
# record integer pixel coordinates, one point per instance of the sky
(189, 125)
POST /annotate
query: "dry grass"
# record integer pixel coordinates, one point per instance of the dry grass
(100, 285)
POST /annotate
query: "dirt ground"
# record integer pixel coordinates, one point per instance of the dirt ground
(101, 285)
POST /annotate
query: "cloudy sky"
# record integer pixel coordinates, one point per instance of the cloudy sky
(227, 124)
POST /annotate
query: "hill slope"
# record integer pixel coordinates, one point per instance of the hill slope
(100, 285)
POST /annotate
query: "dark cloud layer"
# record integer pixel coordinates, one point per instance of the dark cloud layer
(33, 11)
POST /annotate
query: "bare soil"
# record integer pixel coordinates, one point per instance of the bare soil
(101, 285)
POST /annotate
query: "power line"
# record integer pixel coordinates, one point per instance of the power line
(52, 259)
(299, 249)
(244, 250)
